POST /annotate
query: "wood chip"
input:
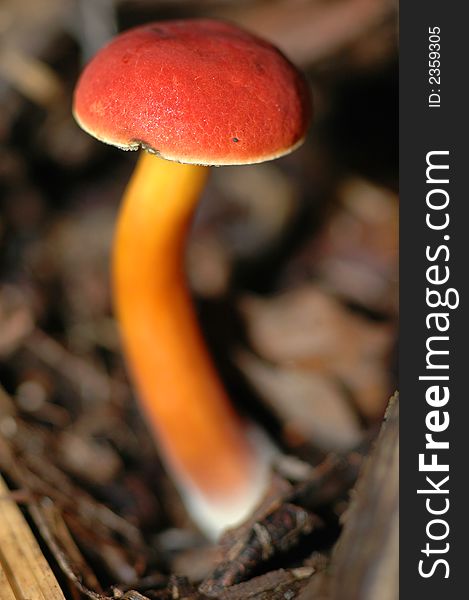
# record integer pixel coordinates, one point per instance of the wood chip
(24, 572)
(277, 532)
(365, 563)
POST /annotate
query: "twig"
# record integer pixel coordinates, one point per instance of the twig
(24, 572)
(277, 532)
(64, 562)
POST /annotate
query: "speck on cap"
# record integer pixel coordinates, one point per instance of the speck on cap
(195, 91)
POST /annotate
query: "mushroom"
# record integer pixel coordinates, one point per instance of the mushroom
(197, 93)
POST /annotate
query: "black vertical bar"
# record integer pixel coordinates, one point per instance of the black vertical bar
(434, 118)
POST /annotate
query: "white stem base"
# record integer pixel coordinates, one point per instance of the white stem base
(215, 516)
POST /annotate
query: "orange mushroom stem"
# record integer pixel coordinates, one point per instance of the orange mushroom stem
(204, 442)
(200, 92)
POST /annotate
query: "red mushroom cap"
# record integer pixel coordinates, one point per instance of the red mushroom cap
(195, 91)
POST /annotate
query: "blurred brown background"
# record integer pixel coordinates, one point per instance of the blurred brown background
(293, 263)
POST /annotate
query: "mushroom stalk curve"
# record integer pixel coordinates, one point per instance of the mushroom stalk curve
(196, 92)
(202, 439)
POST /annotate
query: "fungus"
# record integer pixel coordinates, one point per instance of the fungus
(196, 93)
